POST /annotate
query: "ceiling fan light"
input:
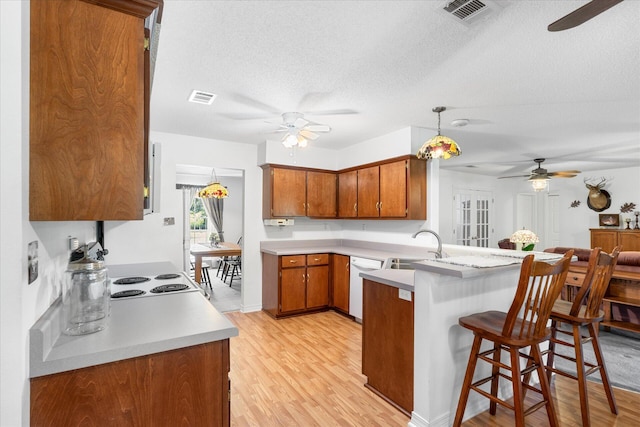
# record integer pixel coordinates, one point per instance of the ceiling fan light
(539, 184)
(302, 142)
(290, 140)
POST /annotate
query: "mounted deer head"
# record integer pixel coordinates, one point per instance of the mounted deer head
(598, 199)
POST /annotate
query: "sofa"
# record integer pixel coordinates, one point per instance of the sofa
(621, 303)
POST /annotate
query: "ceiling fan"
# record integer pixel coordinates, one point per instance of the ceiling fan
(298, 130)
(539, 176)
(582, 14)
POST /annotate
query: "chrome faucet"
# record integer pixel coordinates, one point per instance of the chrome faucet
(426, 230)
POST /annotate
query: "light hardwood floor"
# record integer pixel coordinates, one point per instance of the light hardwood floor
(306, 371)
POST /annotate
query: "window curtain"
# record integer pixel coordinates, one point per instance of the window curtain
(214, 208)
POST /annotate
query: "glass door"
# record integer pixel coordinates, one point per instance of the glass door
(473, 217)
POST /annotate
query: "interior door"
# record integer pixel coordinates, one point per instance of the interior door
(473, 210)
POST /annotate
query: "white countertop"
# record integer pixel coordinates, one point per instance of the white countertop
(136, 327)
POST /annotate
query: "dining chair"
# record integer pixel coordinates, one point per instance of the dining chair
(523, 327)
(583, 313)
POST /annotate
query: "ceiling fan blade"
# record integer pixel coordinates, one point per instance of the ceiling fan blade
(515, 176)
(309, 135)
(564, 174)
(318, 128)
(582, 14)
(242, 99)
(338, 112)
(300, 123)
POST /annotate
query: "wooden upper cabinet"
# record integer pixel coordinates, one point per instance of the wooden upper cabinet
(348, 194)
(289, 192)
(368, 192)
(393, 189)
(321, 194)
(87, 107)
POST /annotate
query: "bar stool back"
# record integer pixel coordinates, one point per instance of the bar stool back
(584, 312)
(523, 326)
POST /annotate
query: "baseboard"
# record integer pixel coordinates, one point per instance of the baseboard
(250, 308)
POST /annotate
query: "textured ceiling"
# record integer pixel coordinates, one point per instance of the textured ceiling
(572, 97)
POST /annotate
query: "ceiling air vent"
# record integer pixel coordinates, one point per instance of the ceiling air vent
(468, 11)
(200, 97)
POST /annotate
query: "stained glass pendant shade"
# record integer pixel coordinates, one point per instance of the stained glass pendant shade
(440, 146)
(214, 189)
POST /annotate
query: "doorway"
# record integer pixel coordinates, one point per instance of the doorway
(473, 216)
(198, 226)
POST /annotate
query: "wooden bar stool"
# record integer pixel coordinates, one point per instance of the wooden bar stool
(584, 312)
(539, 285)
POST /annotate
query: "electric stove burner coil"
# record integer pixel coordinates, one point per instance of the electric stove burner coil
(167, 276)
(131, 280)
(128, 293)
(173, 287)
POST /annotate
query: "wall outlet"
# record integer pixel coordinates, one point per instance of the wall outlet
(404, 294)
(169, 221)
(73, 243)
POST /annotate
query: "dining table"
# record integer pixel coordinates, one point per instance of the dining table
(222, 249)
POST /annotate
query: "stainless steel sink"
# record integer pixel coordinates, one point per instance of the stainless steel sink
(400, 263)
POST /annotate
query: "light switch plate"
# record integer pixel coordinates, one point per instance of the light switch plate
(404, 294)
(169, 221)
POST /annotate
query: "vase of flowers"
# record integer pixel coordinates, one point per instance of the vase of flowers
(214, 239)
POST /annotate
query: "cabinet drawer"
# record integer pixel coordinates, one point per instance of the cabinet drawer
(292, 261)
(574, 278)
(317, 259)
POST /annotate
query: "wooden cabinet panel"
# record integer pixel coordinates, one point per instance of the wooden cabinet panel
(317, 286)
(321, 194)
(368, 192)
(161, 389)
(393, 189)
(317, 259)
(289, 194)
(609, 239)
(289, 261)
(340, 282)
(630, 240)
(605, 239)
(293, 289)
(87, 107)
(348, 194)
(387, 343)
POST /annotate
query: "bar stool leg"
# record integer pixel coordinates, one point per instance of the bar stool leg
(544, 386)
(466, 384)
(581, 374)
(593, 331)
(517, 387)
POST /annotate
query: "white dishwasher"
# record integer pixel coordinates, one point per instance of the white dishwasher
(358, 265)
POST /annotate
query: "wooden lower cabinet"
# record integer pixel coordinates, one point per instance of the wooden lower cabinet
(609, 239)
(340, 282)
(387, 344)
(188, 386)
(295, 284)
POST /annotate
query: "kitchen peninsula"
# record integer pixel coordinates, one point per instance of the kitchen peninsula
(443, 291)
(161, 360)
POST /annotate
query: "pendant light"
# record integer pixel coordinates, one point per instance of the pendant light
(440, 146)
(214, 189)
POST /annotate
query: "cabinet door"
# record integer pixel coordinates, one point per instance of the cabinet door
(605, 239)
(86, 142)
(289, 192)
(348, 194)
(293, 289)
(393, 189)
(340, 282)
(630, 240)
(368, 192)
(321, 194)
(317, 286)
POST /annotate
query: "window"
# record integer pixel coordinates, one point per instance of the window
(198, 222)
